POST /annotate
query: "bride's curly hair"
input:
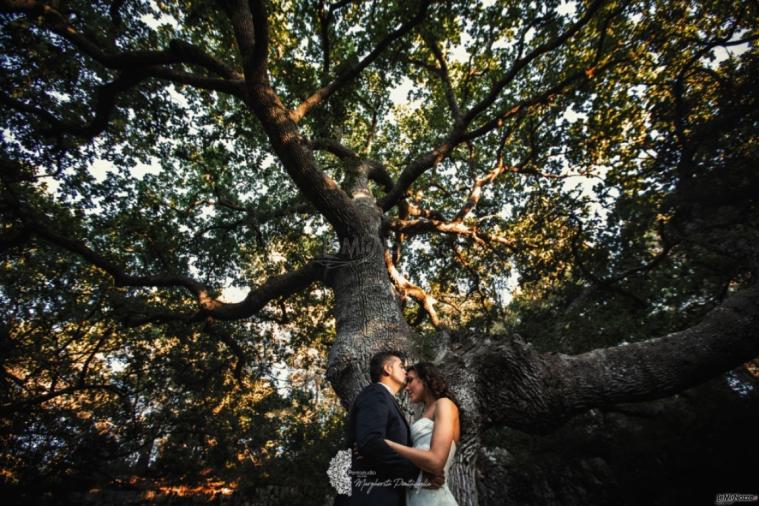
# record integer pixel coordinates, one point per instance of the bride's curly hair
(432, 380)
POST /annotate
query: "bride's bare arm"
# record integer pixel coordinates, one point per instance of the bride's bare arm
(433, 460)
(420, 458)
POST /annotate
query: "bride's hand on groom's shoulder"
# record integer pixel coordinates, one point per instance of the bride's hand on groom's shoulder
(433, 481)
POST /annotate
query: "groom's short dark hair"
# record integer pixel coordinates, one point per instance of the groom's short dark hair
(379, 360)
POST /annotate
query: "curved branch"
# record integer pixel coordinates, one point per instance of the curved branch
(14, 407)
(474, 194)
(537, 392)
(351, 73)
(189, 53)
(282, 285)
(32, 225)
(544, 98)
(178, 51)
(375, 170)
(251, 215)
(415, 169)
(442, 72)
(120, 277)
(459, 134)
(251, 32)
(233, 346)
(133, 67)
(105, 103)
(660, 367)
(334, 147)
(406, 288)
(228, 86)
(521, 63)
(421, 226)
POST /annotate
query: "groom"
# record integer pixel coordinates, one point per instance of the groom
(379, 474)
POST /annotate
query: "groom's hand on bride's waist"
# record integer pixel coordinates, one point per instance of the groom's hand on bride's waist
(433, 481)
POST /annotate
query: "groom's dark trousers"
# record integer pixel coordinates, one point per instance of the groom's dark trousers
(377, 476)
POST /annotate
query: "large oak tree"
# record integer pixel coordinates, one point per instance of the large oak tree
(437, 177)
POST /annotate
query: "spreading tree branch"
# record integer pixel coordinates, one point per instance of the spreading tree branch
(105, 104)
(522, 62)
(251, 31)
(460, 134)
(15, 407)
(178, 51)
(376, 171)
(538, 392)
(351, 73)
(407, 289)
(500, 167)
(442, 72)
(421, 226)
(133, 67)
(282, 285)
(120, 277)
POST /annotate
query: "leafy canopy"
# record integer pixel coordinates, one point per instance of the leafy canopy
(596, 184)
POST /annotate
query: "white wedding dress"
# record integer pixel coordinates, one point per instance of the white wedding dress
(421, 434)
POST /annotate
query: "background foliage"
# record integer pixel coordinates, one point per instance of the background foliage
(627, 210)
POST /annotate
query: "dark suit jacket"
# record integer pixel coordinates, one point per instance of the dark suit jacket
(374, 417)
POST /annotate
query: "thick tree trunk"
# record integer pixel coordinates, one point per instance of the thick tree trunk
(367, 315)
(367, 318)
(504, 381)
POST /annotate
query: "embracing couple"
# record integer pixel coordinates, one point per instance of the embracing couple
(394, 463)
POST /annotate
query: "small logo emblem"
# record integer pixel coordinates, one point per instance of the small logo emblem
(339, 472)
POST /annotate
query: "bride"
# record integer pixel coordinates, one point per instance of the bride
(434, 435)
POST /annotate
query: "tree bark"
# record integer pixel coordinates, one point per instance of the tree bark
(368, 317)
(504, 382)
(537, 393)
